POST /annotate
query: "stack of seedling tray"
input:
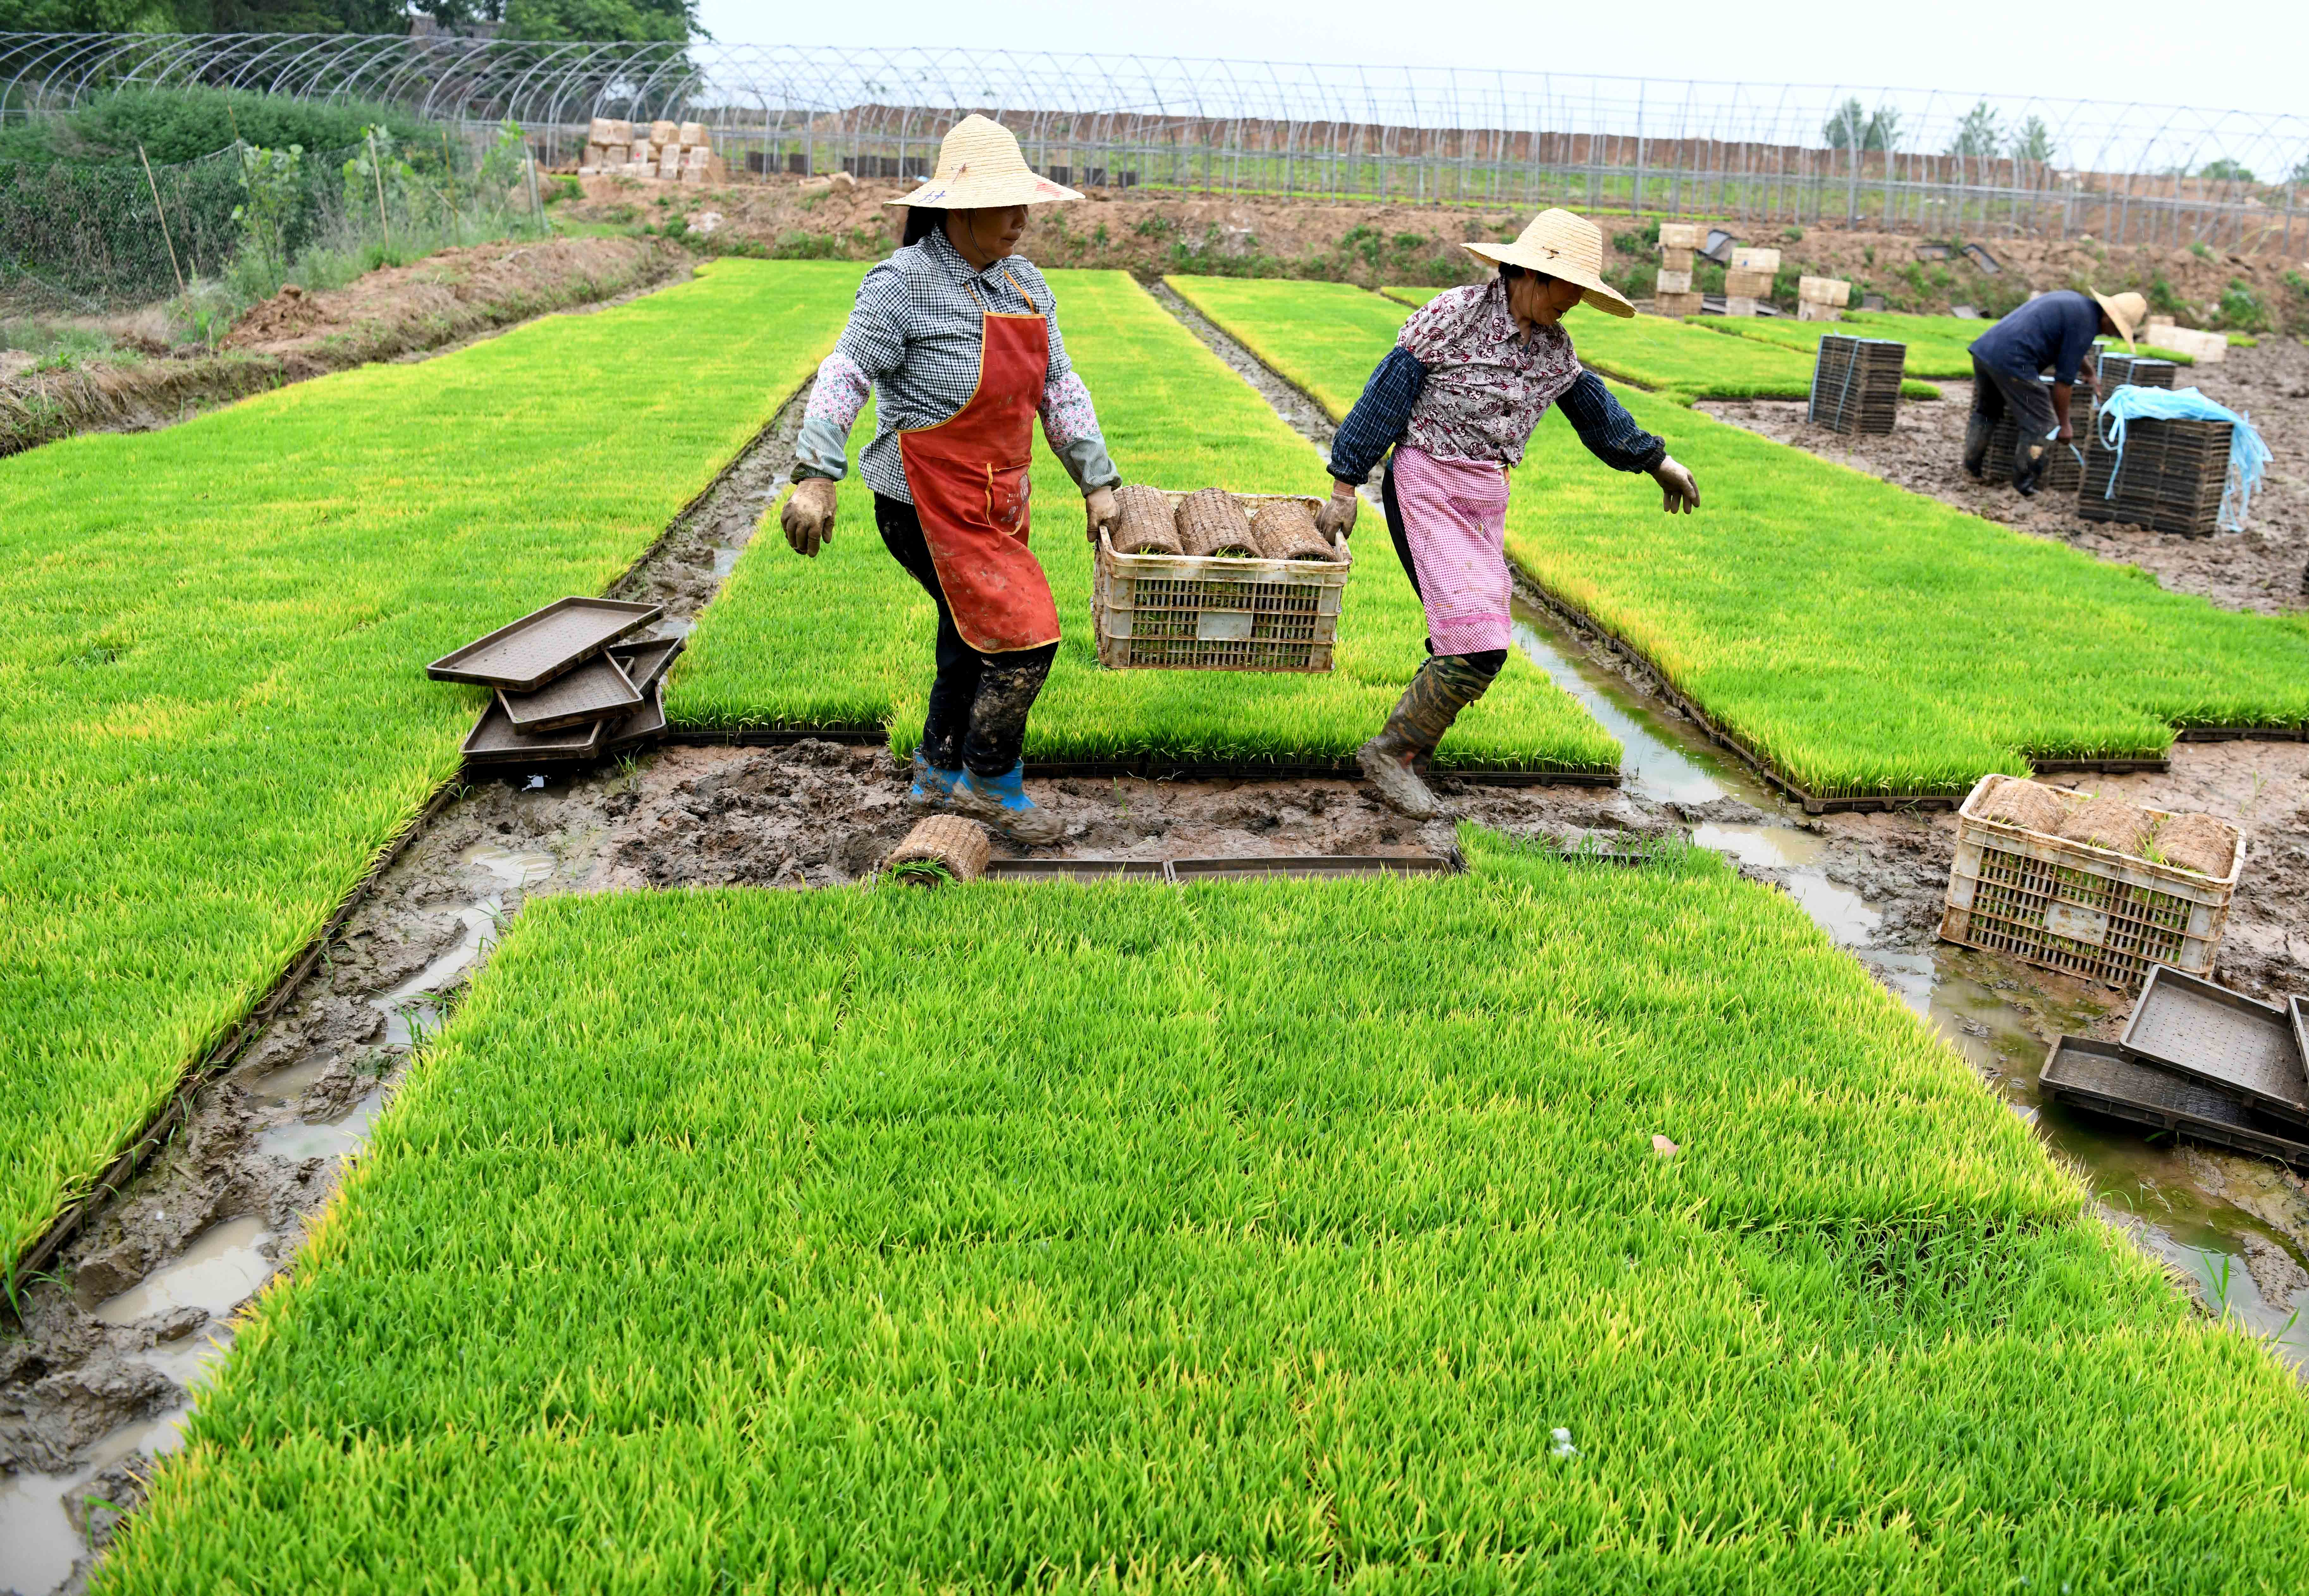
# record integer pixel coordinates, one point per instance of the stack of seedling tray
(1856, 384)
(2169, 479)
(2199, 1060)
(2118, 370)
(2064, 468)
(570, 682)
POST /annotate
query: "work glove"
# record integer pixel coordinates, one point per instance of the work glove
(808, 517)
(1337, 518)
(1678, 491)
(1098, 513)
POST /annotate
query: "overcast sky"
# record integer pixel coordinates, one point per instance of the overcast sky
(2244, 55)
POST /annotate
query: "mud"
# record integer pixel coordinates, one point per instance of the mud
(2265, 568)
(423, 309)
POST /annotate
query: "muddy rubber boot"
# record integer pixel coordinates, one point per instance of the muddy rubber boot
(1446, 684)
(2028, 469)
(933, 788)
(1977, 434)
(1001, 802)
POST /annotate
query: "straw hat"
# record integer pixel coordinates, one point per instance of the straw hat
(979, 165)
(1564, 246)
(2126, 311)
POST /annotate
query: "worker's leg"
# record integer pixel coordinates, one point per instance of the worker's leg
(993, 783)
(1446, 684)
(2033, 423)
(938, 761)
(1987, 410)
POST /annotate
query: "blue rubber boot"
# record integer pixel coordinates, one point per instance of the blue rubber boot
(1001, 802)
(933, 788)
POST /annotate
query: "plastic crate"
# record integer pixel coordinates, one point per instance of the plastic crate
(1182, 612)
(2070, 907)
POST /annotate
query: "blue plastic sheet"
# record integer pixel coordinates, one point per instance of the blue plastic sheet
(2248, 455)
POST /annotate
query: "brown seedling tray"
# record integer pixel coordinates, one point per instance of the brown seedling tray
(646, 662)
(2102, 1077)
(1309, 865)
(494, 742)
(2224, 1039)
(1149, 871)
(645, 725)
(542, 644)
(597, 690)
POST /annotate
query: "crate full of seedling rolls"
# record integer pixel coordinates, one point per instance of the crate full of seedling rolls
(1216, 581)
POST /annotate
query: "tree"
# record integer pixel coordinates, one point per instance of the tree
(2034, 141)
(2226, 170)
(1852, 124)
(664, 21)
(1978, 134)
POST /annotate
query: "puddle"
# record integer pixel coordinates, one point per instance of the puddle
(513, 867)
(332, 1139)
(1652, 765)
(216, 1274)
(405, 1012)
(725, 559)
(676, 626)
(287, 1084)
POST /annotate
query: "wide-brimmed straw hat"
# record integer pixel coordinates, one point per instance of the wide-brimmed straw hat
(979, 165)
(2126, 311)
(1561, 245)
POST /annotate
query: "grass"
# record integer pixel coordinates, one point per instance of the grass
(843, 640)
(1862, 638)
(1254, 1237)
(216, 708)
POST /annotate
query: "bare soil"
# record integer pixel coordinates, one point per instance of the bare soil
(2264, 567)
(396, 312)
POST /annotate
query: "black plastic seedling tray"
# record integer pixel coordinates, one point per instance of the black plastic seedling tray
(646, 662)
(2103, 1078)
(2221, 1037)
(543, 644)
(1309, 865)
(1149, 871)
(494, 742)
(597, 690)
(645, 725)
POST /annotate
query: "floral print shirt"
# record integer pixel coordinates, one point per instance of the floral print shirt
(1486, 385)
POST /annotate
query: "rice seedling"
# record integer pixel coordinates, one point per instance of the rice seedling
(1273, 1235)
(843, 640)
(1862, 640)
(216, 711)
(1925, 357)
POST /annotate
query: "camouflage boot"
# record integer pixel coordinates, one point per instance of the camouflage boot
(1446, 684)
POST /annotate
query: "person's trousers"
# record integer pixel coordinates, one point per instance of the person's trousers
(1996, 394)
(979, 702)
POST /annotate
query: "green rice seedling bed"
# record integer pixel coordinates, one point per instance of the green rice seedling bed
(217, 713)
(843, 641)
(1860, 642)
(1245, 1236)
(1925, 357)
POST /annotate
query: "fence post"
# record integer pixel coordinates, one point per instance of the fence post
(376, 171)
(174, 270)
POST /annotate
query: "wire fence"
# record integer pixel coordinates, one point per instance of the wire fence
(1932, 161)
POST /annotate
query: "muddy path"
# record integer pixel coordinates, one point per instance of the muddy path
(423, 309)
(2264, 567)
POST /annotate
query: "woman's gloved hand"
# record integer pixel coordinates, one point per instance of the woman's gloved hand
(1098, 513)
(1678, 491)
(1337, 518)
(808, 517)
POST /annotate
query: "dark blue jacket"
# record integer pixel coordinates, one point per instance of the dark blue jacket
(2051, 331)
(1378, 418)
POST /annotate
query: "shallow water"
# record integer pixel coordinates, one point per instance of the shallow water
(220, 1270)
(1955, 991)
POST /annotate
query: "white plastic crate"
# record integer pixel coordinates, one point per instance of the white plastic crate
(1181, 612)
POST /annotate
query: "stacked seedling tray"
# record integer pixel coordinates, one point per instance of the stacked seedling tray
(2091, 912)
(570, 682)
(2169, 479)
(1217, 612)
(2118, 370)
(1856, 384)
(2064, 468)
(2200, 1061)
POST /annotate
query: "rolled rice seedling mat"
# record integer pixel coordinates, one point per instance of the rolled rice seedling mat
(2224, 1038)
(940, 847)
(1168, 1202)
(2086, 911)
(1212, 525)
(1145, 522)
(542, 645)
(225, 677)
(2102, 1078)
(597, 690)
(1218, 613)
(1286, 530)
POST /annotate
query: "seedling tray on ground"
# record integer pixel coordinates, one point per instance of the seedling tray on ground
(1310, 865)
(597, 690)
(2103, 1078)
(1152, 871)
(543, 644)
(647, 662)
(494, 742)
(2223, 1038)
(645, 725)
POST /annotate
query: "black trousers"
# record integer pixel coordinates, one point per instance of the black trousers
(979, 702)
(1489, 660)
(1996, 394)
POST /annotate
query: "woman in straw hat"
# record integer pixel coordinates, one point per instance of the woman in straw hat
(2052, 332)
(958, 338)
(1457, 398)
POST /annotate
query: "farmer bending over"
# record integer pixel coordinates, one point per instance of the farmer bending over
(1469, 376)
(2050, 332)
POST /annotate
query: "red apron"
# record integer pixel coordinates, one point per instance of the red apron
(968, 477)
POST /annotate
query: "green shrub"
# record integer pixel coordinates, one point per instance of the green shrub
(179, 125)
(2242, 309)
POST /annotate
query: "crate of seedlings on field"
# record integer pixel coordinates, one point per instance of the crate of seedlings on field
(2168, 478)
(1856, 384)
(2063, 469)
(1216, 581)
(2094, 886)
